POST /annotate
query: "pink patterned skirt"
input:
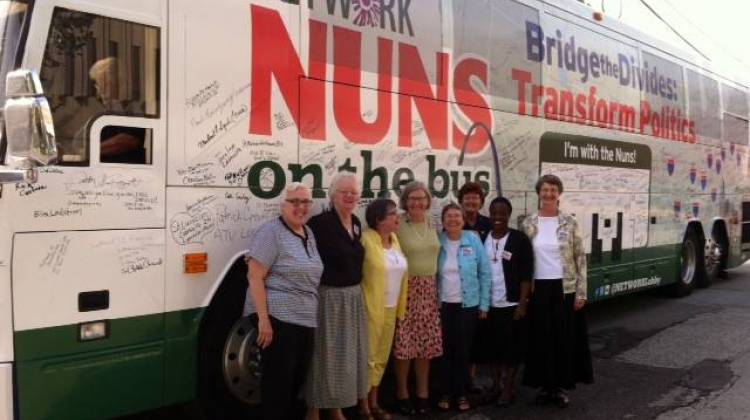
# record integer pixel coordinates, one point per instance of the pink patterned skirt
(418, 335)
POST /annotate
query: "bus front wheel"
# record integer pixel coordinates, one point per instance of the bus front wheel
(225, 352)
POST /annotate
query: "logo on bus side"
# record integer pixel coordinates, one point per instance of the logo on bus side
(386, 14)
(445, 124)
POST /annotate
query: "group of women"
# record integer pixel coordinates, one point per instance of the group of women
(332, 301)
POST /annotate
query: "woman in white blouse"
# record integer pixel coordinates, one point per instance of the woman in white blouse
(558, 355)
(384, 287)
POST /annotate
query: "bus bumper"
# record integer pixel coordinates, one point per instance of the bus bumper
(6, 391)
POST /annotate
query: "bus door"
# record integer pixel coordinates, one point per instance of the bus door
(88, 242)
(606, 185)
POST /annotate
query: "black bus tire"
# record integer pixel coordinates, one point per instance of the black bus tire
(215, 399)
(715, 257)
(691, 265)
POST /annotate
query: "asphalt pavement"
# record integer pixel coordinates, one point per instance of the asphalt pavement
(655, 357)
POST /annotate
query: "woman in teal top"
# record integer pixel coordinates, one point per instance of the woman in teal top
(464, 280)
(418, 335)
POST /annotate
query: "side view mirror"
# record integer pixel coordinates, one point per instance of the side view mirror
(29, 129)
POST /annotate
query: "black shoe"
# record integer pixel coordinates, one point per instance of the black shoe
(505, 402)
(423, 405)
(544, 397)
(405, 407)
(561, 399)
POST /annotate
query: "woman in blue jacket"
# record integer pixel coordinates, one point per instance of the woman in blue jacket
(464, 279)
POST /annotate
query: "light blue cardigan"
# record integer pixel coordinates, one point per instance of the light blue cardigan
(474, 268)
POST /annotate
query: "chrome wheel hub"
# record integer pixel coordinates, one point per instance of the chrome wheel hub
(241, 362)
(689, 260)
(713, 255)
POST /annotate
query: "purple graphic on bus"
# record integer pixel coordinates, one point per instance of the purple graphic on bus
(677, 206)
(713, 194)
(693, 173)
(696, 208)
(718, 166)
(670, 166)
(704, 181)
(723, 153)
(710, 160)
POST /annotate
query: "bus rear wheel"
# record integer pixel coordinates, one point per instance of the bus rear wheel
(715, 258)
(691, 265)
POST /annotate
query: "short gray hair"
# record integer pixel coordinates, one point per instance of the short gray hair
(295, 186)
(338, 178)
(410, 188)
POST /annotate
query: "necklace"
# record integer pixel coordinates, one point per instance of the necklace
(497, 246)
(424, 229)
(496, 242)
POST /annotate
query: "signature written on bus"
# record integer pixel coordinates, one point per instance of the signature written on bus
(55, 256)
(140, 264)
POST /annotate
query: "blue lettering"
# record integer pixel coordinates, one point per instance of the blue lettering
(534, 44)
(624, 69)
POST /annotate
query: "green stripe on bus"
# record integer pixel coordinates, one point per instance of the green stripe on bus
(151, 361)
(145, 363)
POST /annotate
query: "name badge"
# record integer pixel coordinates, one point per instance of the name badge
(507, 255)
(467, 252)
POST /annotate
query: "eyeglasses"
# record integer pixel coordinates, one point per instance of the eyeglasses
(423, 198)
(351, 193)
(298, 202)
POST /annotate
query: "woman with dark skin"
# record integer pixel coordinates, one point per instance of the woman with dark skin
(512, 260)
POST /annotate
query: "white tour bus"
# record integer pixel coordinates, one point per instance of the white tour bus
(144, 140)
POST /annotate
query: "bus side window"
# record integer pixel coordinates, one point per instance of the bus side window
(125, 145)
(735, 116)
(703, 97)
(95, 65)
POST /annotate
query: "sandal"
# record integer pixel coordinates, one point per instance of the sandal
(379, 414)
(561, 399)
(504, 401)
(463, 404)
(423, 405)
(366, 416)
(544, 397)
(444, 403)
(405, 407)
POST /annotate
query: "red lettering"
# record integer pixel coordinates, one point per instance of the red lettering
(550, 105)
(415, 86)
(580, 108)
(645, 115)
(523, 78)
(347, 106)
(274, 56)
(471, 103)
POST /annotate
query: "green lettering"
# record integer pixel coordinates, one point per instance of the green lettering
(299, 172)
(253, 179)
